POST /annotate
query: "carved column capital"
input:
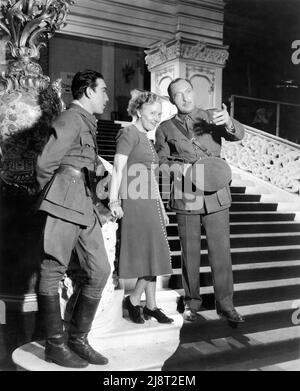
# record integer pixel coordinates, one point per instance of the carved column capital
(26, 25)
(163, 52)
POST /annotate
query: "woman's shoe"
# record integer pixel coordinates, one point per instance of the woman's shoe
(133, 311)
(157, 314)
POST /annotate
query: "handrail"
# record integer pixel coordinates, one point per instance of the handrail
(263, 100)
(278, 104)
(267, 135)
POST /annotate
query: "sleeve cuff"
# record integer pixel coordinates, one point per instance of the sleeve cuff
(230, 129)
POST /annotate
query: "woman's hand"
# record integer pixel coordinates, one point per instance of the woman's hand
(116, 211)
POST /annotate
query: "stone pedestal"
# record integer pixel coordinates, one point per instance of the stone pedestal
(197, 61)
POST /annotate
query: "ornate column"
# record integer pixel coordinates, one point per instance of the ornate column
(28, 104)
(198, 61)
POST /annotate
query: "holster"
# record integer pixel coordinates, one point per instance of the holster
(90, 180)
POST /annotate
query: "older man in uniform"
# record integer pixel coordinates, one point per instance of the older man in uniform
(65, 170)
(191, 134)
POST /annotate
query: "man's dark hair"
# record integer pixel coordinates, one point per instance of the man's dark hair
(174, 82)
(82, 80)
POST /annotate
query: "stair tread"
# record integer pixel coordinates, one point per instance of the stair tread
(133, 358)
(220, 345)
(247, 286)
(251, 235)
(270, 212)
(293, 222)
(291, 366)
(255, 309)
(250, 249)
(249, 266)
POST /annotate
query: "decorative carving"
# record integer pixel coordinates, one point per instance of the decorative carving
(267, 158)
(28, 102)
(162, 53)
(26, 24)
(165, 72)
(198, 51)
(204, 52)
(208, 73)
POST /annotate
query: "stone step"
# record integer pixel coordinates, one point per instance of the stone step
(249, 227)
(30, 357)
(254, 216)
(252, 206)
(124, 344)
(161, 342)
(107, 150)
(290, 366)
(255, 292)
(245, 273)
(248, 240)
(246, 206)
(255, 189)
(106, 136)
(235, 353)
(165, 300)
(249, 255)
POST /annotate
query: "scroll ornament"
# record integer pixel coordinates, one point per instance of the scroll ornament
(28, 102)
(268, 159)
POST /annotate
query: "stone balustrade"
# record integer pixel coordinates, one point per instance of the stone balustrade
(268, 157)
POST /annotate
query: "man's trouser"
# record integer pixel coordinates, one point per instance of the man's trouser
(218, 241)
(60, 238)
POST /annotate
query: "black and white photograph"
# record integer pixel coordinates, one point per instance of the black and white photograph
(149, 189)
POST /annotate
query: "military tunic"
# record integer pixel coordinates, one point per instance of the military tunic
(72, 221)
(173, 140)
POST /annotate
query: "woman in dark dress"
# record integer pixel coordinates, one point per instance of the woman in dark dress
(134, 197)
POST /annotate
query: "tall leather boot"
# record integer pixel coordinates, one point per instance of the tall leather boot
(80, 325)
(56, 350)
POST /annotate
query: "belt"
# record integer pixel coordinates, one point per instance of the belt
(71, 171)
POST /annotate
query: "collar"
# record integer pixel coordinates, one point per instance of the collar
(183, 117)
(76, 105)
(196, 115)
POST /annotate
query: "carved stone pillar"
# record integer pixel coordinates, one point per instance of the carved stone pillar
(28, 103)
(200, 62)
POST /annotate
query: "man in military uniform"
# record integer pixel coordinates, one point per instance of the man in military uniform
(192, 134)
(65, 170)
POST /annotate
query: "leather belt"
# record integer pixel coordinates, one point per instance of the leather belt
(71, 171)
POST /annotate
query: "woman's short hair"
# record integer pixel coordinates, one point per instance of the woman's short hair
(138, 98)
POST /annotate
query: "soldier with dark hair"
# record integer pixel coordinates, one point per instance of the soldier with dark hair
(64, 169)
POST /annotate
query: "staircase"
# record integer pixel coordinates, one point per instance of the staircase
(106, 139)
(265, 247)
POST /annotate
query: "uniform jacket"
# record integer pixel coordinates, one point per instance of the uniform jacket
(173, 141)
(72, 143)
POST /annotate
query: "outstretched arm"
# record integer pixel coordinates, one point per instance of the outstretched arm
(234, 130)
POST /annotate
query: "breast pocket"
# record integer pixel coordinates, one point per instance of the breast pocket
(87, 140)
